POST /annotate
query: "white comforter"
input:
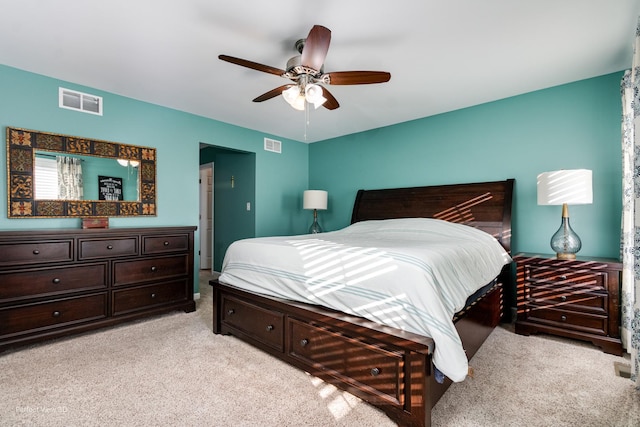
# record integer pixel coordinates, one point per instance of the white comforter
(412, 274)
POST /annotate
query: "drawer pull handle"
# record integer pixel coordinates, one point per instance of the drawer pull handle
(304, 342)
(231, 311)
(153, 295)
(269, 328)
(563, 318)
(56, 314)
(56, 280)
(154, 268)
(563, 298)
(375, 372)
(36, 252)
(166, 243)
(109, 247)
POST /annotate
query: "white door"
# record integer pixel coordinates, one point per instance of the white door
(206, 216)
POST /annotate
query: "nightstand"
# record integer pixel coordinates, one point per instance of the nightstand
(577, 299)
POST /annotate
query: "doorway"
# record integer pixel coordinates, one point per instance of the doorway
(206, 216)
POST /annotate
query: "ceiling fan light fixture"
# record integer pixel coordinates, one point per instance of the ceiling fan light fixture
(313, 95)
(294, 97)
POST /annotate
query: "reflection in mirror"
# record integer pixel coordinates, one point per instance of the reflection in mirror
(111, 179)
(72, 177)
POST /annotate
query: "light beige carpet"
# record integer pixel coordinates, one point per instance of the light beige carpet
(172, 370)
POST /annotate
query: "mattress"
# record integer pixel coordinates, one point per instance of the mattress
(413, 274)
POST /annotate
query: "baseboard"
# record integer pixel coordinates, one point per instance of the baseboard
(196, 296)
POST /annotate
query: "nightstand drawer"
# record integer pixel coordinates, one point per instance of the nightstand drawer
(589, 323)
(567, 298)
(566, 277)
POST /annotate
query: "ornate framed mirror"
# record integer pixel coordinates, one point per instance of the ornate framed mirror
(114, 179)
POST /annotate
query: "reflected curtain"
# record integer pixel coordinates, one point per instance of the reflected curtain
(69, 178)
(630, 251)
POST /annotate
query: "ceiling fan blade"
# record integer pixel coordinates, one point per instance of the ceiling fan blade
(252, 65)
(272, 93)
(331, 103)
(316, 47)
(357, 77)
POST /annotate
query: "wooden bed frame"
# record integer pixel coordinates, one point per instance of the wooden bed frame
(387, 367)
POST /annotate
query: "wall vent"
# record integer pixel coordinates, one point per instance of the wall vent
(74, 100)
(272, 145)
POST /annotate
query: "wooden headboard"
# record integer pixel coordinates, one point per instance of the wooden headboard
(485, 205)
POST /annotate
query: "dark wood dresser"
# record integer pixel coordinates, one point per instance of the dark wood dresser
(60, 282)
(577, 299)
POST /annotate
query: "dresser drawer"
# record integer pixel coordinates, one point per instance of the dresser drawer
(19, 285)
(567, 298)
(263, 325)
(348, 359)
(166, 243)
(107, 248)
(566, 319)
(27, 253)
(39, 317)
(145, 297)
(570, 278)
(142, 270)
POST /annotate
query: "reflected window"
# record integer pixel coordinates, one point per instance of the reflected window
(46, 178)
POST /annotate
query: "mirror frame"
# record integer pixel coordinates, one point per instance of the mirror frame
(21, 146)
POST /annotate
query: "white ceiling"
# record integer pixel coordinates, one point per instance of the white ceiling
(442, 54)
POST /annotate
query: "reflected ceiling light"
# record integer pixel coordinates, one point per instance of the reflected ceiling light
(125, 163)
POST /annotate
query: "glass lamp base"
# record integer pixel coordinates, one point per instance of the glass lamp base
(565, 242)
(315, 227)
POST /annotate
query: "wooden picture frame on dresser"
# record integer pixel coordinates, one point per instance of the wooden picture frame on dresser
(55, 283)
(577, 299)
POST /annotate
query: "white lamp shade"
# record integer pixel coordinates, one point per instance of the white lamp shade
(314, 199)
(572, 187)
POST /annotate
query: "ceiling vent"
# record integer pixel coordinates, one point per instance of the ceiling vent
(79, 101)
(272, 145)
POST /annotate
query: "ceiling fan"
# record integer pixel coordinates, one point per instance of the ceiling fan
(307, 72)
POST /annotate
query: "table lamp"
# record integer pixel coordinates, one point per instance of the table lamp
(315, 199)
(565, 187)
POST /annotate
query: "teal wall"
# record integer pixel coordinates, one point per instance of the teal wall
(571, 126)
(31, 101)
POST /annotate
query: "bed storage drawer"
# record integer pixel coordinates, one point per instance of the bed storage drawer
(263, 325)
(37, 317)
(367, 366)
(51, 281)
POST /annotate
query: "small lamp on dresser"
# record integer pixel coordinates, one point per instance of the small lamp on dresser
(315, 199)
(565, 187)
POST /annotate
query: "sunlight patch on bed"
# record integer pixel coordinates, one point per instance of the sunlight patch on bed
(345, 266)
